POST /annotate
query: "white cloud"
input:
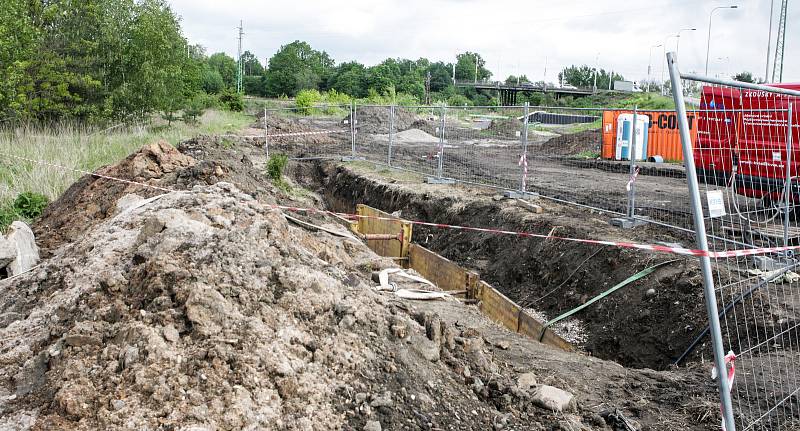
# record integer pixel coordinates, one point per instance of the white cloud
(514, 36)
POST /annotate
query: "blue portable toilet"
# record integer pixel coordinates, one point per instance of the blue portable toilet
(625, 136)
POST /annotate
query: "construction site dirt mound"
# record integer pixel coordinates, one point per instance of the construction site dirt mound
(375, 119)
(410, 136)
(505, 127)
(205, 309)
(203, 160)
(587, 141)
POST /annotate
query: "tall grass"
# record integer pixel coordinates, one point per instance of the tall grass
(75, 147)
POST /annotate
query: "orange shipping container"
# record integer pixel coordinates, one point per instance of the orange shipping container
(663, 137)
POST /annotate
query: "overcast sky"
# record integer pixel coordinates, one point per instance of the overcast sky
(513, 36)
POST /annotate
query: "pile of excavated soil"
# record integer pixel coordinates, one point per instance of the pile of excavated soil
(92, 199)
(505, 127)
(204, 309)
(279, 125)
(410, 136)
(375, 119)
(571, 143)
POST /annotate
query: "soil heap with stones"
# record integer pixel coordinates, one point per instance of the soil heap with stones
(202, 308)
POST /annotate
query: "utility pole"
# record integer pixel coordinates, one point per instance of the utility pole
(428, 89)
(777, 65)
(240, 67)
(476, 68)
(597, 66)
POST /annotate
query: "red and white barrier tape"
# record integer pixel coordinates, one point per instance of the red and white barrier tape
(730, 364)
(648, 247)
(280, 135)
(523, 161)
(320, 132)
(632, 179)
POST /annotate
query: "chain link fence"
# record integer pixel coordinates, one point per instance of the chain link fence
(742, 167)
(571, 155)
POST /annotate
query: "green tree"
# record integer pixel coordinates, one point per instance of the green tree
(251, 65)
(295, 67)
(212, 81)
(582, 76)
(350, 78)
(226, 66)
(92, 59)
(441, 77)
(745, 77)
(465, 67)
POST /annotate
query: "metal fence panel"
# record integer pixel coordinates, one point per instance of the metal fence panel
(306, 133)
(746, 163)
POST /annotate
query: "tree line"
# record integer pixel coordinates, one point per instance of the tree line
(95, 60)
(100, 60)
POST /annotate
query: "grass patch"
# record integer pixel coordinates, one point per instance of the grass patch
(75, 147)
(587, 154)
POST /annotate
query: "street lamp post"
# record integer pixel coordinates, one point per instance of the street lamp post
(663, 60)
(664, 52)
(597, 66)
(649, 63)
(678, 40)
(708, 44)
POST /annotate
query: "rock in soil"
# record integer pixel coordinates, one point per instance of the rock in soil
(21, 236)
(552, 398)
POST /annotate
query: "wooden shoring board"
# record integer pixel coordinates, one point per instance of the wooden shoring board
(441, 271)
(395, 248)
(504, 311)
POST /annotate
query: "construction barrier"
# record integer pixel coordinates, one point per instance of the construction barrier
(663, 137)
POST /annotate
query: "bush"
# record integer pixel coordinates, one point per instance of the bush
(27, 206)
(193, 110)
(30, 205)
(231, 101)
(458, 100)
(306, 99)
(275, 166)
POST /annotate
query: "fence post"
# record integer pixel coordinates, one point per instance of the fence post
(266, 136)
(632, 170)
(524, 159)
(788, 187)
(391, 132)
(353, 129)
(442, 122)
(702, 244)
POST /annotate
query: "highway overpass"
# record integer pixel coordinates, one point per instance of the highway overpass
(508, 92)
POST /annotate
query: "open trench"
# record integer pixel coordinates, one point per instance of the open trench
(645, 325)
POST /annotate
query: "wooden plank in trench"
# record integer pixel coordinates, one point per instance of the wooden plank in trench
(441, 271)
(395, 248)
